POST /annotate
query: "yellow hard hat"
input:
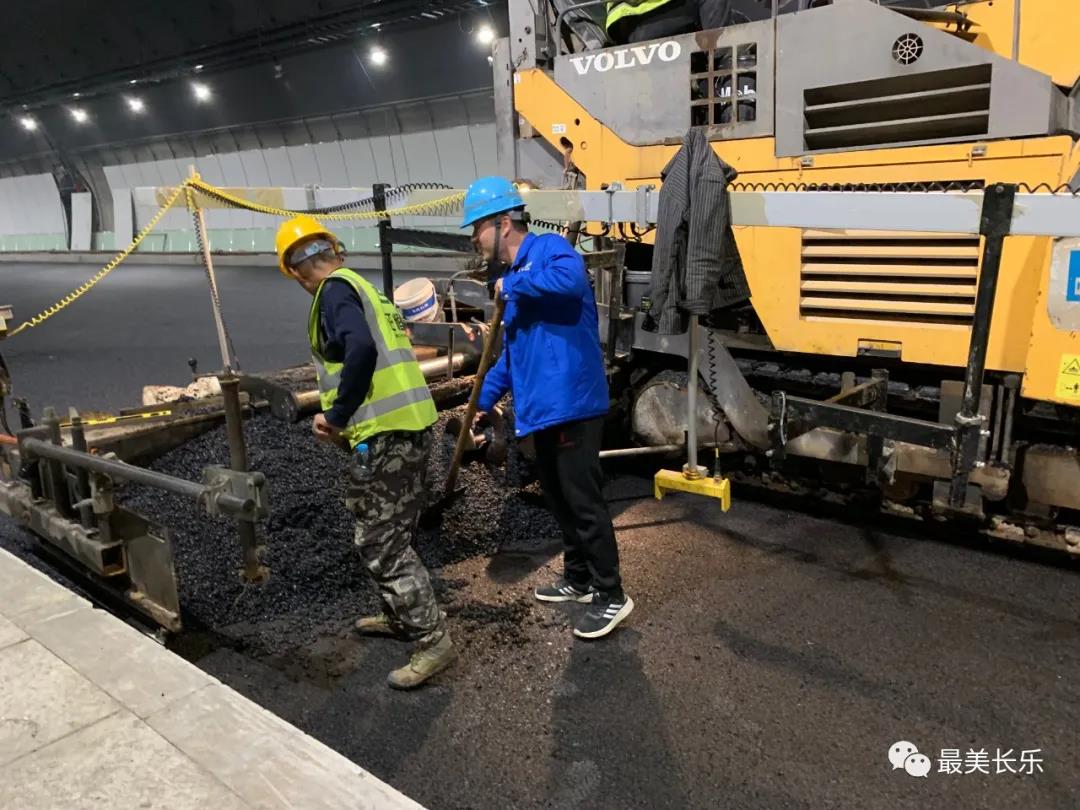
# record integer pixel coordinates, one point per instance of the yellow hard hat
(293, 231)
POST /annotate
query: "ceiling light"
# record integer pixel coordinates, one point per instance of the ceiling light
(76, 95)
(485, 35)
(201, 91)
(133, 81)
(377, 56)
(79, 115)
(199, 67)
(135, 104)
(28, 123)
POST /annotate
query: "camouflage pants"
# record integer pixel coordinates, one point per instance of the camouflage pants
(387, 506)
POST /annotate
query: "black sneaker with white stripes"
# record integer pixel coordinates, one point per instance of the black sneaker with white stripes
(603, 616)
(563, 591)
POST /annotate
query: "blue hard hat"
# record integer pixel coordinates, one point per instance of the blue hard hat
(489, 196)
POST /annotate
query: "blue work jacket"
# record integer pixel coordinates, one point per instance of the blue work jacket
(551, 359)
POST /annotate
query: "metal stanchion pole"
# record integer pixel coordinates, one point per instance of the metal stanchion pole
(253, 571)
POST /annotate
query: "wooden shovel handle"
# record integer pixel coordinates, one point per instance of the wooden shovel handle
(486, 359)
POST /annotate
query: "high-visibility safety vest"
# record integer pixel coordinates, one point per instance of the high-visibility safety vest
(619, 11)
(399, 398)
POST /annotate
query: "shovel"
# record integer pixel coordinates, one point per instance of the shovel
(465, 434)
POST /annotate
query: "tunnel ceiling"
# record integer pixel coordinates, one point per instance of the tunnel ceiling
(80, 46)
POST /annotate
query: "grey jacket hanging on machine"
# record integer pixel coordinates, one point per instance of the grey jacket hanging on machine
(696, 265)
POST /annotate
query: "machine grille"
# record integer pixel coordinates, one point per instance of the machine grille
(938, 105)
(889, 276)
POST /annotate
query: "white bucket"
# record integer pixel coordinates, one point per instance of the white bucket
(417, 300)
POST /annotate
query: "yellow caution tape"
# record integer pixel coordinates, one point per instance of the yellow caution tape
(80, 291)
(444, 206)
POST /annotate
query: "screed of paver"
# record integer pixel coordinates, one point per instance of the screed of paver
(133, 669)
(265, 761)
(118, 762)
(43, 699)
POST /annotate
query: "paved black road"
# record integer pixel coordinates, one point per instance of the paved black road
(773, 658)
(140, 325)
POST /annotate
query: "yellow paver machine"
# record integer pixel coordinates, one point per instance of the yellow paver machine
(940, 366)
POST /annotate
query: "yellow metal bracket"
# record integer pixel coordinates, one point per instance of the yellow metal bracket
(667, 481)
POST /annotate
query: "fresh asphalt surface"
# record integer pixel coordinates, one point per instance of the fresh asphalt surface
(140, 326)
(773, 658)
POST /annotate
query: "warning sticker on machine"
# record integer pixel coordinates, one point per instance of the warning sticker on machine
(1068, 379)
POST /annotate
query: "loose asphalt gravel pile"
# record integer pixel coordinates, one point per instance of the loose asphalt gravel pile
(316, 577)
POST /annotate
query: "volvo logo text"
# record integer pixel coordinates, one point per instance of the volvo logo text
(636, 56)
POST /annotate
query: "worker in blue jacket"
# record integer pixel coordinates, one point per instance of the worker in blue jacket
(552, 364)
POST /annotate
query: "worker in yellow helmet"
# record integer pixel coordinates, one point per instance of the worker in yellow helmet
(374, 399)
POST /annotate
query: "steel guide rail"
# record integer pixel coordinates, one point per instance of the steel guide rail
(226, 502)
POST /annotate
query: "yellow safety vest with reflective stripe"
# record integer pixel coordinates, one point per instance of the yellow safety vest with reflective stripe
(399, 398)
(619, 11)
